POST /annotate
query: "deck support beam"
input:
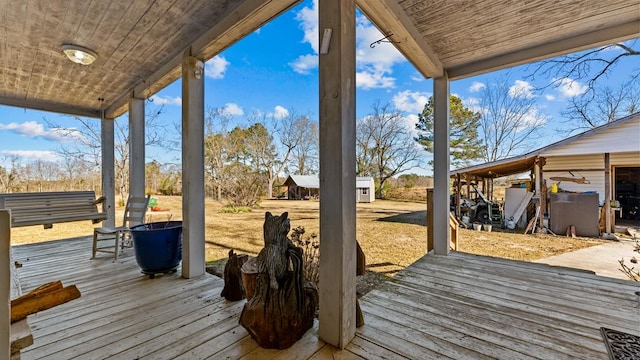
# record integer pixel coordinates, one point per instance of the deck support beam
(193, 251)
(136, 147)
(337, 172)
(441, 235)
(5, 286)
(108, 169)
(607, 193)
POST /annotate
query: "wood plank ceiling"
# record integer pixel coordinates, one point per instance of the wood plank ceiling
(139, 46)
(140, 43)
(468, 37)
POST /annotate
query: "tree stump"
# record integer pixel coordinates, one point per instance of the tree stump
(233, 289)
(249, 274)
(282, 308)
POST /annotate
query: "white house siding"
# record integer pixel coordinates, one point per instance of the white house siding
(619, 139)
(626, 159)
(592, 169)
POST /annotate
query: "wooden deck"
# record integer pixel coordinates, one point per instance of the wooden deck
(460, 307)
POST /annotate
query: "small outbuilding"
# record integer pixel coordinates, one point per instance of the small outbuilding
(304, 187)
(365, 189)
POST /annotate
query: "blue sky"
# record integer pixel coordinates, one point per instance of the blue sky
(274, 71)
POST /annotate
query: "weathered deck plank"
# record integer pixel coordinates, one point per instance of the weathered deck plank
(460, 307)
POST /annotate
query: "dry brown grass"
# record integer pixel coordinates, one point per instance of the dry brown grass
(391, 233)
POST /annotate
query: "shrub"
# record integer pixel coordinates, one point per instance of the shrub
(235, 209)
(311, 253)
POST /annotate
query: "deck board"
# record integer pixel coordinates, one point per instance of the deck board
(460, 306)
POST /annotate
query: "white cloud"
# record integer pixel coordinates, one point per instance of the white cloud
(232, 109)
(305, 63)
(471, 101)
(417, 78)
(44, 155)
(476, 86)
(34, 129)
(168, 100)
(308, 18)
(569, 87)
(533, 118)
(549, 97)
(374, 65)
(521, 88)
(410, 101)
(279, 112)
(410, 121)
(371, 79)
(216, 67)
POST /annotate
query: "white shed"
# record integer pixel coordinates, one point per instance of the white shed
(365, 189)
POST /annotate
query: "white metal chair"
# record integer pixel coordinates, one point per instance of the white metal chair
(134, 214)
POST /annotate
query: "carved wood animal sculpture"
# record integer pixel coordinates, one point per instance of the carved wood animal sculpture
(233, 289)
(282, 307)
(273, 258)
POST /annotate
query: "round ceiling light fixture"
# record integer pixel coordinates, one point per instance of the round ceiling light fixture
(79, 54)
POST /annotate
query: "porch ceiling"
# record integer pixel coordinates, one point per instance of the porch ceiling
(139, 45)
(471, 37)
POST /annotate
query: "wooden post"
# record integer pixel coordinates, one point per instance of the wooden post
(441, 159)
(5, 286)
(136, 147)
(193, 260)
(458, 189)
(108, 170)
(429, 219)
(337, 171)
(543, 188)
(607, 193)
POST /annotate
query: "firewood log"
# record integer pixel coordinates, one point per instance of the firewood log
(42, 298)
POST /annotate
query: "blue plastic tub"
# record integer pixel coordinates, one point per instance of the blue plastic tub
(158, 246)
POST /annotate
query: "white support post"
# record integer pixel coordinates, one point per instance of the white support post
(193, 248)
(108, 170)
(441, 235)
(337, 172)
(5, 284)
(136, 147)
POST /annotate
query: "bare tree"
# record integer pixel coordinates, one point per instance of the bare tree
(304, 157)
(589, 66)
(9, 177)
(384, 145)
(216, 147)
(273, 151)
(44, 173)
(510, 119)
(603, 106)
(86, 143)
(596, 104)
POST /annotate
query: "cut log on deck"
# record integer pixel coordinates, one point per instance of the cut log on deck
(42, 298)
